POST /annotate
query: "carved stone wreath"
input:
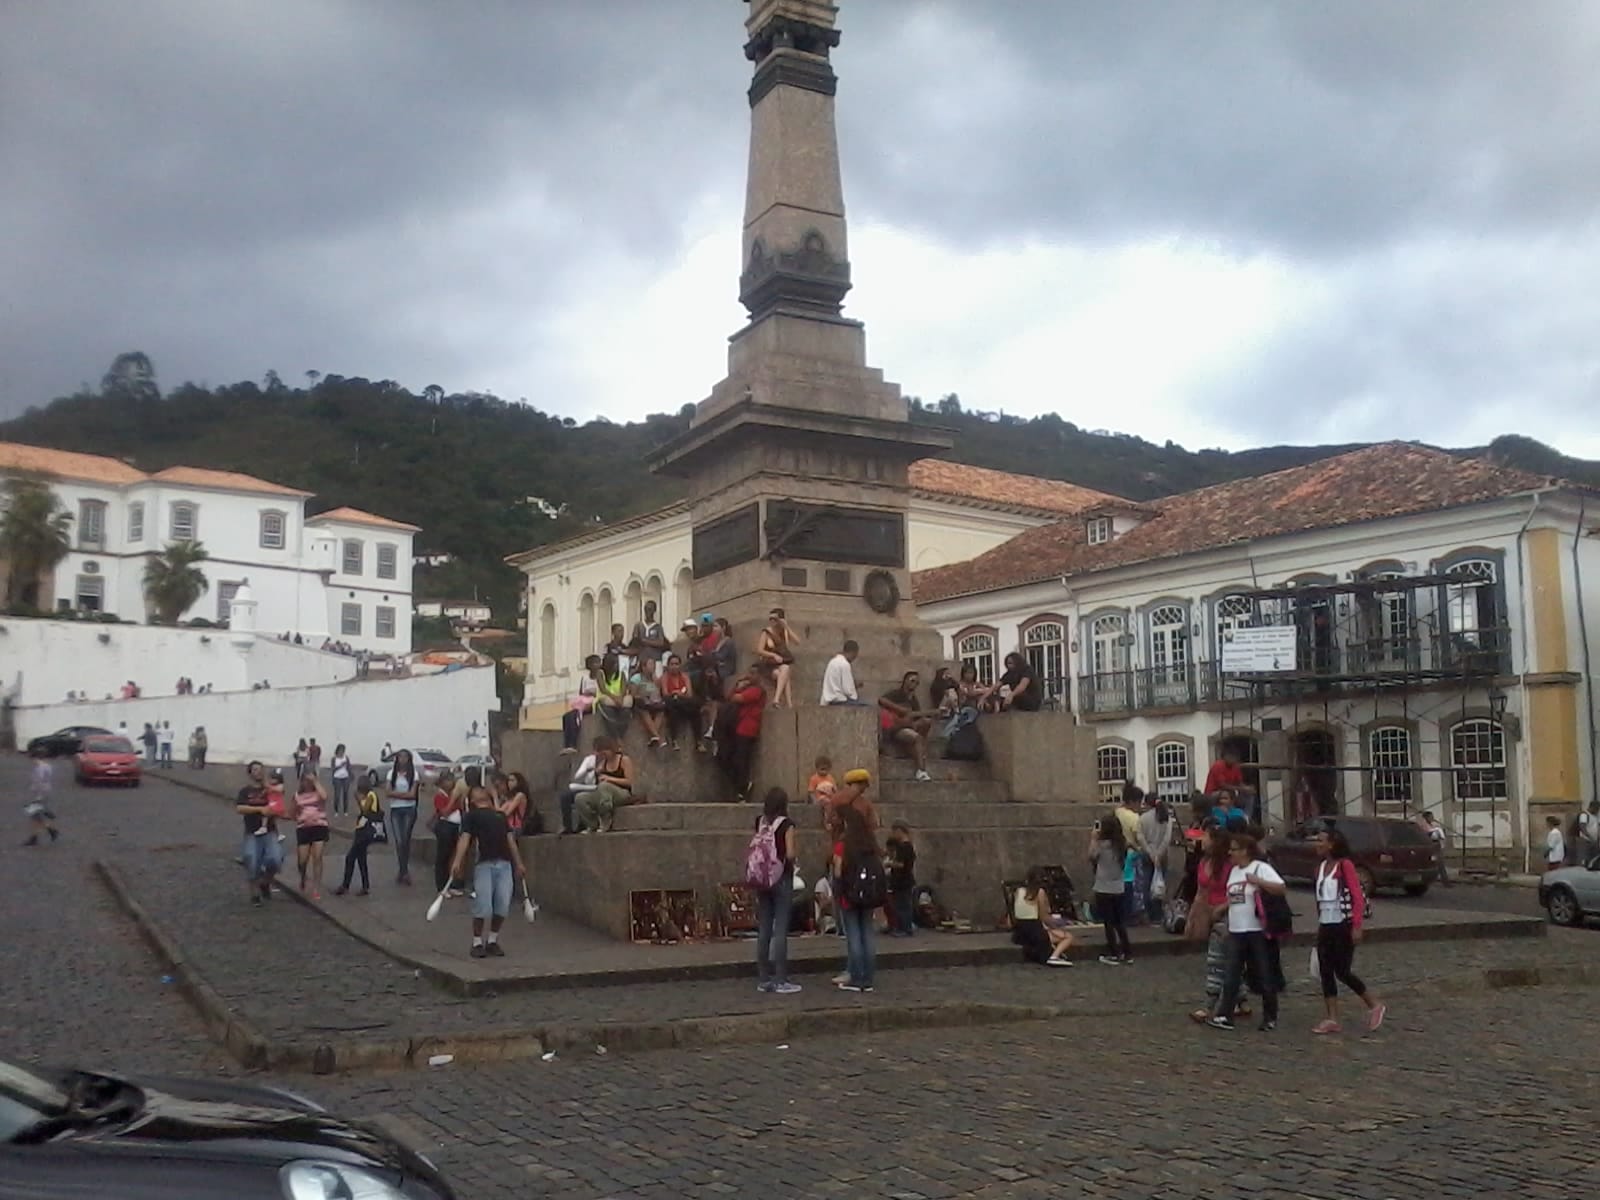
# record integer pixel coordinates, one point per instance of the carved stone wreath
(881, 592)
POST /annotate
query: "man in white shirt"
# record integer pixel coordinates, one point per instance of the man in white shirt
(1555, 846)
(583, 780)
(164, 743)
(839, 681)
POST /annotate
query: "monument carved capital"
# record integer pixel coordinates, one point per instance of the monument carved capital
(807, 276)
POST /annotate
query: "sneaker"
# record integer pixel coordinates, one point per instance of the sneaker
(1267, 1026)
(922, 777)
(1110, 960)
(1057, 962)
(1326, 1027)
(1375, 1017)
(841, 979)
(789, 989)
(340, 891)
(494, 951)
(479, 952)
(569, 750)
(255, 901)
(1221, 1023)
(853, 987)
(766, 987)
(868, 988)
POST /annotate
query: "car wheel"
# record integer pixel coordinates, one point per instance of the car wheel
(1416, 889)
(1368, 881)
(1563, 908)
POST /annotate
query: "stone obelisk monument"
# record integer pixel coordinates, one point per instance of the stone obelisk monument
(797, 461)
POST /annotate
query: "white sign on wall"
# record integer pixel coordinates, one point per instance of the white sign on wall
(1258, 649)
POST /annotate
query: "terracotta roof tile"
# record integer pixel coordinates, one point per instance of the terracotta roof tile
(938, 477)
(356, 516)
(66, 464)
(1386, 480)
(234, 481)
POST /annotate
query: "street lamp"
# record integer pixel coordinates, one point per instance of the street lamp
(1497, 703)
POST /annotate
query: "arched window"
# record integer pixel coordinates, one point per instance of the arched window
(604, 615)
(682, 597)
(1110, 649)
(652, 595)
(1386, 619)
(633, 604)
(1389, 752)
(1169, 655)
(1172, 771)
(1233, 612)
(547, 639)
(1044, 646)
(271, 531)
(1111, 770)
(1472, 607)
(586, 645)
(1478, 761)
(975, 648)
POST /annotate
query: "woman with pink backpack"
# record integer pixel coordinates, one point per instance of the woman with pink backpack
(769, 870)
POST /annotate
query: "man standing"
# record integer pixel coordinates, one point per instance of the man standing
(1436, 835)
(148, 739)
(1589, 833)
(262, 854)
(904, 723)
(649, 641)
(164, 743)
(839, 679)
(499, 865)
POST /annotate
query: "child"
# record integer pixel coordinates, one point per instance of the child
(40, 818)
(1555, 846)
(900, 861)
(820, 787)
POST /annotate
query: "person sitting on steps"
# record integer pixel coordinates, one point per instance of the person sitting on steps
(904, 724)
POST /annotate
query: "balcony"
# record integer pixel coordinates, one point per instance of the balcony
(1358, 667)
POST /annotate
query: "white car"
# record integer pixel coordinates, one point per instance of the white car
(429, 763)
(482, 761)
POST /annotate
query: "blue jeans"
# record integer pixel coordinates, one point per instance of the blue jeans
(491, 885)
(774, 910)
(402, 820)
(961, 718)
(262, 855)
(859, 945)
(341, 795)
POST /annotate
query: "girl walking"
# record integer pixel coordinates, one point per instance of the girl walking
(1340, 909)
(402, 810)
(1208, 917)
(1108, 855)
(310, 831)
(1248, 943)
(369, 817)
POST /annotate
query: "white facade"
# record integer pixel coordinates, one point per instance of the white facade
(1135, 651)
(577, 589)
(252, 530)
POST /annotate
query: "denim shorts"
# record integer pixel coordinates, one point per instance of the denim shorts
(262, 854)
(491, 881)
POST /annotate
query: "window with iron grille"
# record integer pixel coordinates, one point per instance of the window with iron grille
(1044, 646)
(1169, 641)
(1110, 650)
(1472, 606)
(1389, 748)
(1111, 770)
(1478, 759)
(976, 650)
(1172, 770)
(1233, 612)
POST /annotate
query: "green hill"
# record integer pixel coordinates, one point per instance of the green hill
(482, 475)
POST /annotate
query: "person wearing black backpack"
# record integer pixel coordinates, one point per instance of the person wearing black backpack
(1252, 939)
(863, 888)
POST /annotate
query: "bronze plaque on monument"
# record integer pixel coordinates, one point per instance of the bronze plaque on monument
(826, 533)
(727, 541)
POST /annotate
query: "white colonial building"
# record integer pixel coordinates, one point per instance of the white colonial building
(1440, 655)
(578, 587)
(343, 574)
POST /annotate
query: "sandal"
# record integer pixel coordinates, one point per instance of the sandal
(1200, 1016)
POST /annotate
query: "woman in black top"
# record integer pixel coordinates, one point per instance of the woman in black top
(775, 905)
(900, 864)
(1023, 689)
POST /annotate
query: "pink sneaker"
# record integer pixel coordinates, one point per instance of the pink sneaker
(1326, 1027)
(1375, 1016)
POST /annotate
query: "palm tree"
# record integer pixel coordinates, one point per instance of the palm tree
(35, 535)
(173, 581)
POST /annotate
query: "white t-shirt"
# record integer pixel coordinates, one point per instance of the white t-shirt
(838, 681)
(341, 766)
(1242, 915)
(1330, 908)
(164, 736)
(583, 779)
(1589, 826)
(1555, 847)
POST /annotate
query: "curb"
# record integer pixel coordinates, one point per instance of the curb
(226, 1027)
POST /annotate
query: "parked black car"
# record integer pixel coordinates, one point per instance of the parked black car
(75, 1133)
(64, 741)
(1388, 852)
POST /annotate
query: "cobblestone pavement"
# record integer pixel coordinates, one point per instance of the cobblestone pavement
(1460, 1094)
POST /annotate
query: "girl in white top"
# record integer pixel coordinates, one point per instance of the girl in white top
(1341, 909)
(340, 765)
(1247, 937)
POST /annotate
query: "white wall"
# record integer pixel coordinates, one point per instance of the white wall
(430, 710)
(42, 660)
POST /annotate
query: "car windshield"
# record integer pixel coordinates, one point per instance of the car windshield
(26, 1098)
(108, 746)
(432, 756)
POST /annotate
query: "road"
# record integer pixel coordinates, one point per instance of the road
(1467, 1091)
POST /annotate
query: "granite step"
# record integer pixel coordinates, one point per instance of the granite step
(894, 767)
(950, 791)
(927, 814)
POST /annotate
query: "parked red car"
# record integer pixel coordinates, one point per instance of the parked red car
(108, 760)
(1387, 852)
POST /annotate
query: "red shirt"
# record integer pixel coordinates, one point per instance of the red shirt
(674, 683)
(1224, 774)
(442, 803)
(752, 702)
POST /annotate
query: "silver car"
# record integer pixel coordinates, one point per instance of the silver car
(1572, 893)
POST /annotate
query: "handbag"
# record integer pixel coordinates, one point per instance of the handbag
(1197, 928)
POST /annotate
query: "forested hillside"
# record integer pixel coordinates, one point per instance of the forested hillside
(485, 477)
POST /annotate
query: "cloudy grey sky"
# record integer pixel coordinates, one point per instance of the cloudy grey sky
(1225, 223)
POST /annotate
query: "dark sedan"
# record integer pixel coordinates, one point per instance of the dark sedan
(74, 1133)
(1388, 852)
(64, 741)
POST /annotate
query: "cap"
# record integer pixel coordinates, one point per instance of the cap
(706, 618)
(691, 623)
(858, 775)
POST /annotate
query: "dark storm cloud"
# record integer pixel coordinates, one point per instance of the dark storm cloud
(393, 189)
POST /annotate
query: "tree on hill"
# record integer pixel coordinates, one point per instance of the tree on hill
(35, 535)
(173, 580)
